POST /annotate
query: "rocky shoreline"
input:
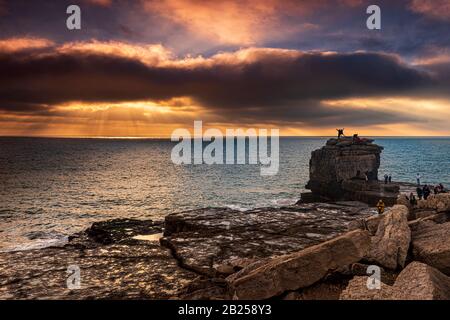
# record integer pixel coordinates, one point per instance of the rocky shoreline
(307, 251)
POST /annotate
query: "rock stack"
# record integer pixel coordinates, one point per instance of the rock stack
(345, 170)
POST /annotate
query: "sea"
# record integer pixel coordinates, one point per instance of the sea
(53, 187)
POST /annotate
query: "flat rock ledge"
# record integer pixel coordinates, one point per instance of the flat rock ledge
(129, 259)
(301, 252)
(112, 265)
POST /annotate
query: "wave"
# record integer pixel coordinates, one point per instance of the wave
(37, 244)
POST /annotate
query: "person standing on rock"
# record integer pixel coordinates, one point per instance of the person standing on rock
(412, 200)
(419, 192)
(389, 179)
(426, 192)
(380, 206)
(340, 133)
(386, 178)
(418, 179)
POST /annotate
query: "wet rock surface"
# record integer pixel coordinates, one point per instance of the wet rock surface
(124, 268)
(217, 242)
(123, 258)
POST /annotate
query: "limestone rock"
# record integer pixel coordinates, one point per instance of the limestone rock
(370, 224)
(217, 242)
(114, 231)
(338, 171)
(300, 269)
(417, 281)
(318, 291)
(421, 282)
(144, 271)
(357, 289)
(431, 245)
(389, 247)
(125, 268)
(439, 202)
(402, 199)
(205, 289)
(429, 220)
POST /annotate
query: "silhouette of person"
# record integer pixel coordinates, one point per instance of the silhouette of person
(340, 132)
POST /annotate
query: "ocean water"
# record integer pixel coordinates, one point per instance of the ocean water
(51, 188)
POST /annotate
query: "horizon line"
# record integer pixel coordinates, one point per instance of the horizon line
(169, 138)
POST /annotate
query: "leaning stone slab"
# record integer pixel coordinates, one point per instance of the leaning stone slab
(389, 247)
(300, 269)
(431, 245)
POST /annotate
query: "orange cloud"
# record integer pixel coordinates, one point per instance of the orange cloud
(439, 9)
(103, 3)
(25, 43)
(154, 54)
(243, 22)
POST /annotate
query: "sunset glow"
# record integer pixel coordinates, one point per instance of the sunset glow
(232, 64)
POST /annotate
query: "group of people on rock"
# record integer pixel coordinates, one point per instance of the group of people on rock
(355, 139)
(425, 191)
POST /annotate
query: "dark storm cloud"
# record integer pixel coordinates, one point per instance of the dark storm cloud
(269, 85)
(317, 113)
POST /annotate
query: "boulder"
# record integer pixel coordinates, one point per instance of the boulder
(439, 202)
(419, 281)
(430, 219)
(431, 245)
(300, 269)
(402, 199)
(357, 289)
(361, 269)
(389, 247)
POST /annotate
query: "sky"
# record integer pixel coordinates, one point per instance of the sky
(144, 68)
